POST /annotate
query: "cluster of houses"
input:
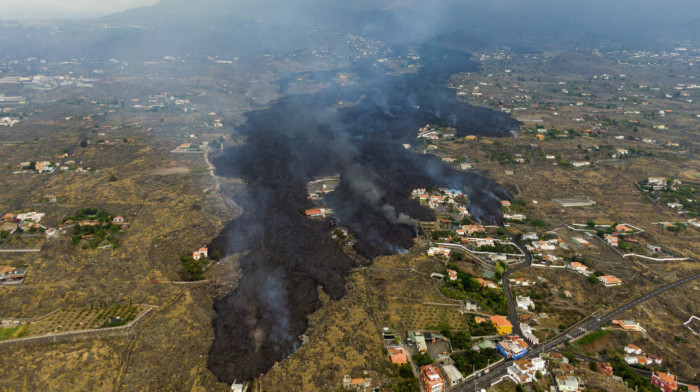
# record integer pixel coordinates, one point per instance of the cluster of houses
(613, 239)
(39, 167)
(466, 230)
(635, 356)
(11, 276)
(433, 132)
(537, 245)
(657, 183)
(606, 280)
(431, 378)
(9, 121)
(26, 222)
(512, 347)
(439, 251)
(421, 340)
(541, 249)
(441, 197)
(524, 371)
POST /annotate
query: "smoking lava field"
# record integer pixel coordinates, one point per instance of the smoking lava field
(304, 136)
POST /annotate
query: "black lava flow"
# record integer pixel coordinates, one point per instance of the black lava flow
(303, 136)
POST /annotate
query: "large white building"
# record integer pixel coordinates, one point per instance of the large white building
(523, 371)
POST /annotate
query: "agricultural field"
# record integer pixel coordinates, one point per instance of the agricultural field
(428, 317)
(65, 320)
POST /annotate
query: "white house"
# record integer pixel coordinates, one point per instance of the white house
(632, 349)
(543, 245)
(527, 333)
(440, 251)
(567, 383)
(484, 242)
(578, 267)
(498, 257)
(521, 282)
(30, 216)
(530, 237)
(657, 182)
(524, 302)
(612, 240)
(523, 371)
(452, 274)
(609, 280)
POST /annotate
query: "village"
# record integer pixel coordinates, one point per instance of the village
(472, 258)
(604, 212)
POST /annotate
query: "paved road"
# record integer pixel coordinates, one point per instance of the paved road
(512, 306)
(589, 324)
(643, 372)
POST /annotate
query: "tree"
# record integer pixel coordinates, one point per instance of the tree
(112, 178)
(537, 223)
(519, 388)
(192, 269)
(499, 269)
(460, 341)
(83, 143)
(422, 359)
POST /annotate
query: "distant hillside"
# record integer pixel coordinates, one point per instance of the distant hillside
(240, 27)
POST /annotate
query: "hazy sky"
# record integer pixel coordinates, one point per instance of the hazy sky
(60, 9)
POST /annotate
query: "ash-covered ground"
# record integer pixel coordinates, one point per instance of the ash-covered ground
(304, 136)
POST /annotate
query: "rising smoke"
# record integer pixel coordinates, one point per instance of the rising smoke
(304, 136)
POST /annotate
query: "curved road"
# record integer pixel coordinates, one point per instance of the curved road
(589, 324)
(512, 307)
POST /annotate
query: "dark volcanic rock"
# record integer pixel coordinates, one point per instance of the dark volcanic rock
(303, 136)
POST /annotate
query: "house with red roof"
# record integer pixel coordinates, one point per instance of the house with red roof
(666, 381)
(431, 379)
(609, 280)
(578, 267)
(397, 355)
(452, 274)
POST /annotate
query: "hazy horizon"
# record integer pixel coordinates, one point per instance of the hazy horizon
(66, 9)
